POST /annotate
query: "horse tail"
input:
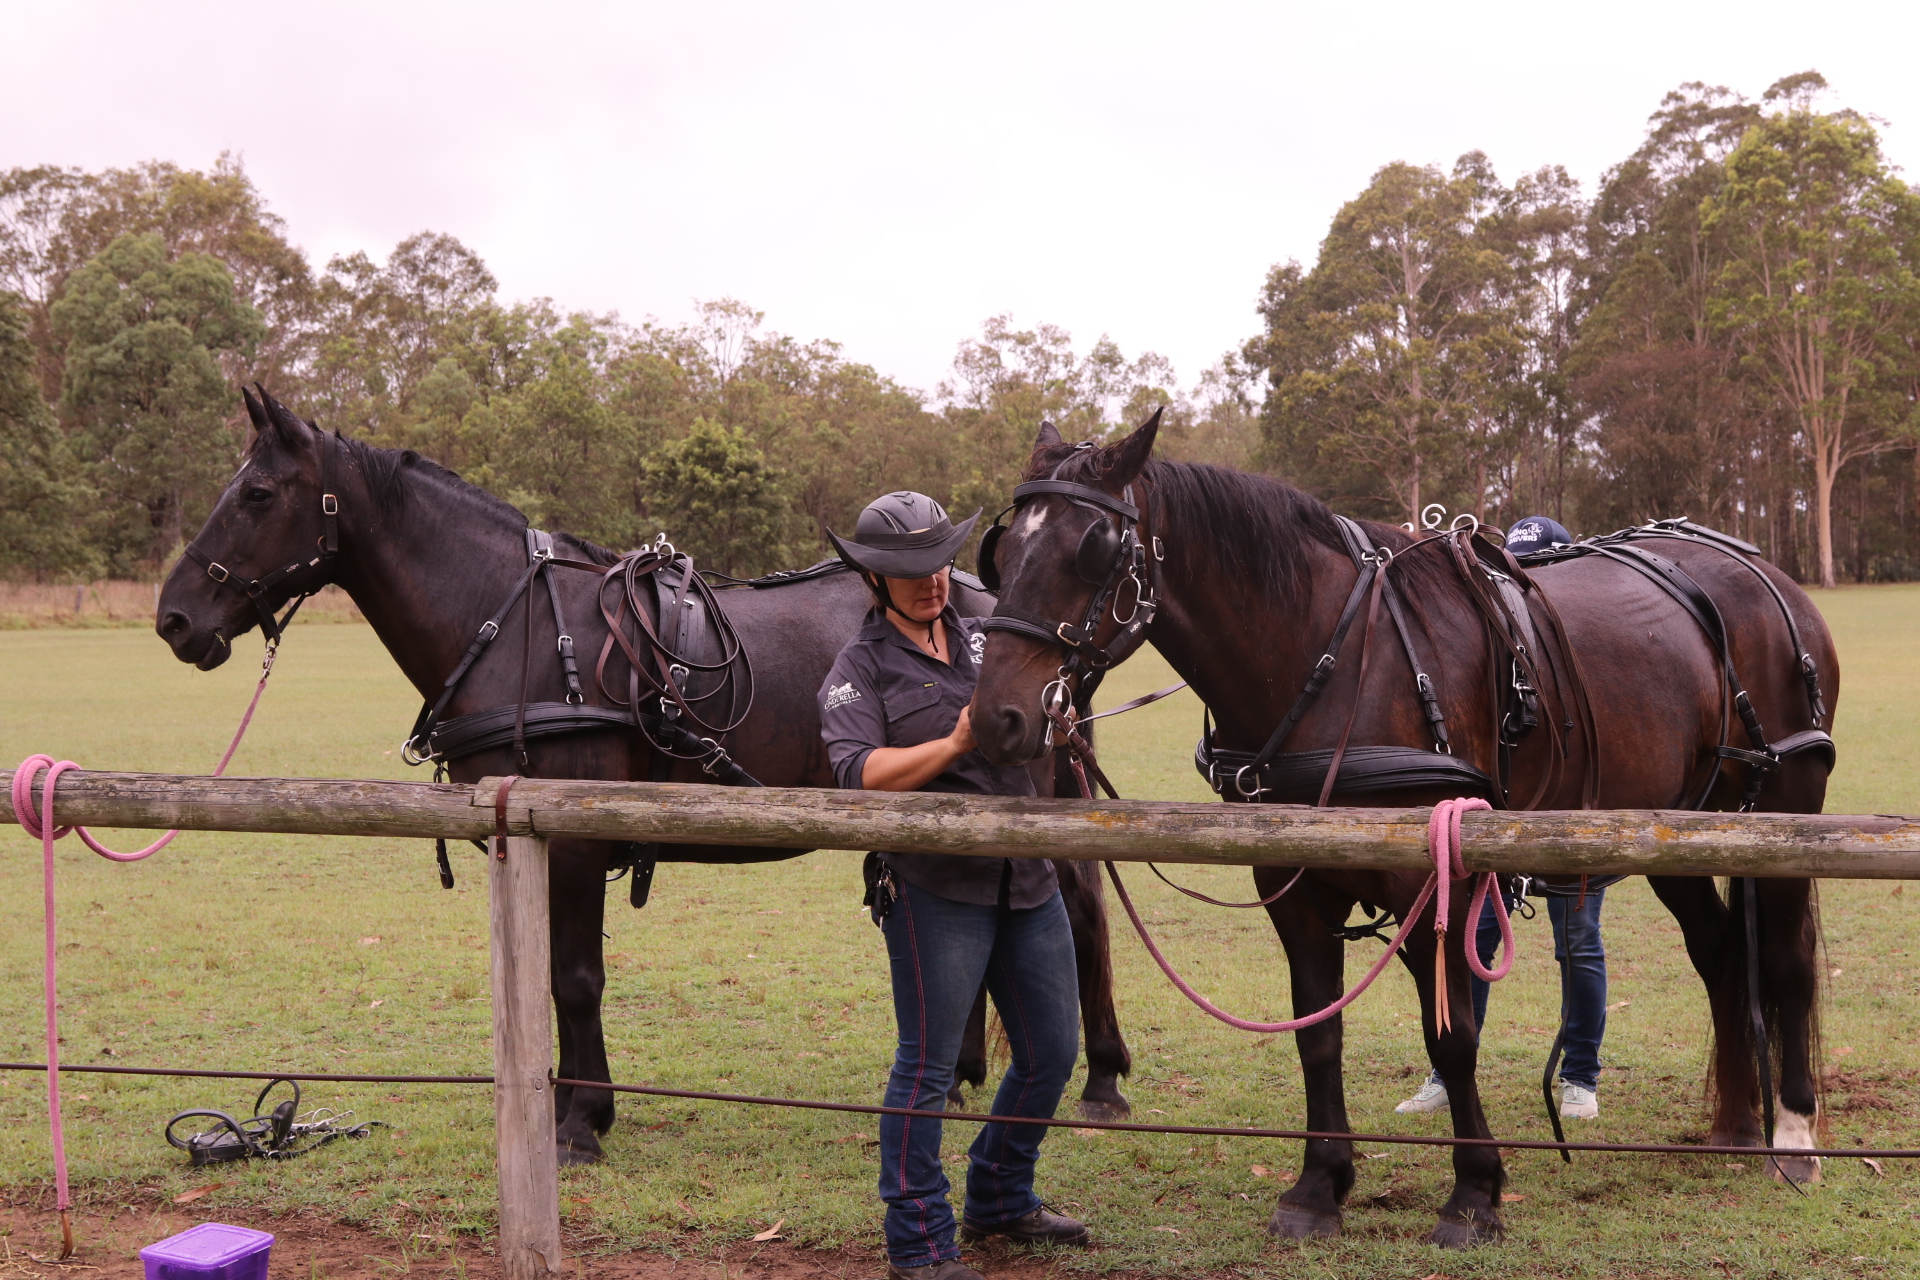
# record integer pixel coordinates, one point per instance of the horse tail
(1787, 1009)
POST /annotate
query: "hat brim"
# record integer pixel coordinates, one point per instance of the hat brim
(906, 562)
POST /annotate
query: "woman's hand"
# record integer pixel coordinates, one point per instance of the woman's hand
(910, 768)
(961, 739)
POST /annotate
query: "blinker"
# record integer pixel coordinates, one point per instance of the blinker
(1098, 547)
(989, 569)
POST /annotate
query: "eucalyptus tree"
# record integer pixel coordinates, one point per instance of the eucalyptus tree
(1819, 283)
(143, 388)
(1379, 358)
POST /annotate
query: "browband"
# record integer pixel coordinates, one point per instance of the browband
(1079, 492)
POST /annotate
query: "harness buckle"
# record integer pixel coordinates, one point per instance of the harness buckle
(329, 504)
(1060, 633)
(216, 571)
(1159, 549)
(488, 630)
(1240, 785)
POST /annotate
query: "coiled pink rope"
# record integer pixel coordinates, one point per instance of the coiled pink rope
(38, 824)
(1443, 839)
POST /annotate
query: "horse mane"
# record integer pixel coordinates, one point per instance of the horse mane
(1261, 520)
(391, 473)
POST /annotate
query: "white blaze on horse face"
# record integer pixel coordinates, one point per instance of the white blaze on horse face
(1033, 519)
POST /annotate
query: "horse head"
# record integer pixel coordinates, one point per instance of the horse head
(1074, 570)
(266, 540)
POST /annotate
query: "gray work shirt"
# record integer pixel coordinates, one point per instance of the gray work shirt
(886, 691)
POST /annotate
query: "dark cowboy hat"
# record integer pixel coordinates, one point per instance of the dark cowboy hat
(903, 535)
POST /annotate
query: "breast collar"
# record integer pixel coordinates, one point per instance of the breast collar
(1107, 558)
(260, 590)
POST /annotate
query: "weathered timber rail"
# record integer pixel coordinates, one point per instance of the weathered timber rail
(1655, 842)
(1597, 842)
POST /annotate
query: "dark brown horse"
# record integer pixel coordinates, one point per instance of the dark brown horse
(428, 558)
(1254, 578)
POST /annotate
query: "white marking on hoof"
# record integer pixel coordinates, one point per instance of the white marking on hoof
(1795, 1129)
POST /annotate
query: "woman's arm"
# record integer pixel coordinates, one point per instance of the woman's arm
(910, 768)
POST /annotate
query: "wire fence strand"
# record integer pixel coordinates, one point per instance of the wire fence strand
(1117, 1126)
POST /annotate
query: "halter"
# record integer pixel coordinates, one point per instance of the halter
(260, 590)
(1106, 558)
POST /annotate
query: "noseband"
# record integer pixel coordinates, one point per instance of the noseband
(1107, 560)
(260, 590)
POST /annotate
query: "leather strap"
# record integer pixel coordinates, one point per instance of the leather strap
(1079, 493)
(500, 816)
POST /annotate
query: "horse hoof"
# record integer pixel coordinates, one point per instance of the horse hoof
(957, 1098)
(576, 1151)
(1291, 1222)
(1744, 1137)
(1800, 1169)
(1454, 1233)
(1105, 1109)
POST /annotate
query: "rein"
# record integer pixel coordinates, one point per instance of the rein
(1443, 838)
(39, 824)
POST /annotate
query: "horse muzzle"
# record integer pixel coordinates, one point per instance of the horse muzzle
(206, 648)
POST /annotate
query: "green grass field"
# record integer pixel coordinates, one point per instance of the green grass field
(296, 952)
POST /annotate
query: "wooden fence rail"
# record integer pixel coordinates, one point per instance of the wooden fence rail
(1597, 842)
(1601, 842)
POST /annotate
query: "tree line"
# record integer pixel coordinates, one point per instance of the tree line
(1729, 328)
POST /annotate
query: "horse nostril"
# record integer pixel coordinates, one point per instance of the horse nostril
(1012, 729)
(174, 623)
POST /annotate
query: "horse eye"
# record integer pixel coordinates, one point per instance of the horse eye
(257, 494)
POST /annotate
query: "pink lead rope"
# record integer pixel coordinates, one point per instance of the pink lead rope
(1443, 839)
(38, 824)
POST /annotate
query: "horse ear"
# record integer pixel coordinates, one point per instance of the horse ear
(1048, 437)
(284, 421)
(1129, 456)
(256, 411)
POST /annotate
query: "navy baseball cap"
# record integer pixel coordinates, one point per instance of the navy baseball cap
(1535, 533)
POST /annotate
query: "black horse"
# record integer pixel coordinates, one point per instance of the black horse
(427, 558)
(1254, 576)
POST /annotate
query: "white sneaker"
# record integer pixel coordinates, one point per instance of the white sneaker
(1577, 1103)
(1431, 1096)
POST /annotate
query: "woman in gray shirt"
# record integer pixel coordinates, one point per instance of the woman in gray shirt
(893, 714)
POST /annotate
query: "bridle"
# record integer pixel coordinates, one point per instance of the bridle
(1111, 554)
(260, 590)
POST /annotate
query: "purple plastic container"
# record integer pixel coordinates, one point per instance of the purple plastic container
(210, 1251)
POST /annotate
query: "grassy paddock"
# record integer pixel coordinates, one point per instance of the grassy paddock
(302, 952)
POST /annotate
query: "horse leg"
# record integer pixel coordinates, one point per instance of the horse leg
(1471, 1214)
(1716, 943)
(972, 1066)
(1107, 1056)
(1311, 1207)
(1790, 991)
(577, 894)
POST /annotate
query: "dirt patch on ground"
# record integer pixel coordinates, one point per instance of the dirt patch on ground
(310, 1247)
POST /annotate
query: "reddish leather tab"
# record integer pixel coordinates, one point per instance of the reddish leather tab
(500, 816)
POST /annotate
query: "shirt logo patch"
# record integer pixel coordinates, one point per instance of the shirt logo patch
(976, 645)
(840, 695)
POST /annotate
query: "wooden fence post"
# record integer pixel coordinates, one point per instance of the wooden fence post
(523, 1061)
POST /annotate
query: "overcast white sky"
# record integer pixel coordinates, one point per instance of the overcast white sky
(889, 175)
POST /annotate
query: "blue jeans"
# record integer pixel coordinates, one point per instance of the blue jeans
(939, 951)
(1583, 973)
